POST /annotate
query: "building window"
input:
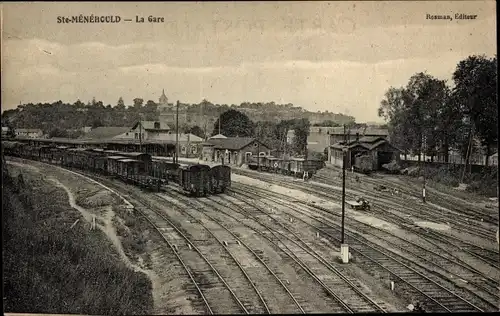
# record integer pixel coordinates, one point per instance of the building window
(157, 125)
(255, 144)
(194, 149)
(136, 135)
(262, 154)
(183, 149)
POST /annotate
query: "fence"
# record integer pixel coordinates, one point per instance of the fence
(479, 160)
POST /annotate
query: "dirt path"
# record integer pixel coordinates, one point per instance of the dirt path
(107, 228)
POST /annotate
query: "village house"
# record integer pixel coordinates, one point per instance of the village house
(378, 147)
(233, 150)
(146, 130)
(28, 132)
(5, 131)
(318, 139)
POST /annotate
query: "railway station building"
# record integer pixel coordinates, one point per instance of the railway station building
(377, 147)
(233, 150)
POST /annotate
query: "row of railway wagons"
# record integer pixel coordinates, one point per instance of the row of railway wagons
(132, 167)
(292, 166)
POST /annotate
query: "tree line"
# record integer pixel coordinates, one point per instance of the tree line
(428, 116)
(59, 119)
(234, 123)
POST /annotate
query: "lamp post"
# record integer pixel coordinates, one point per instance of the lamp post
(177, 133)
(344, 248)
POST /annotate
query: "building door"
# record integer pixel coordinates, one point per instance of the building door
(248, 157)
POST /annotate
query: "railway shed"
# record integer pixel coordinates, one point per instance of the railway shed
(234, 150)
(377, 148)
(153, 147)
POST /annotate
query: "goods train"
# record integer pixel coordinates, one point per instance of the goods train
(290, 166)
(132, 167)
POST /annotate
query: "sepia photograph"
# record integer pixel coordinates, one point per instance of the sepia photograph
(256, 157)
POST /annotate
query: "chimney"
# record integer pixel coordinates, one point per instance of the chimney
(357, 137)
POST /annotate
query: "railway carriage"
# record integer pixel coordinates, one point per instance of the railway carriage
(127, 169)
(164, 170)
(113, 167)
(195, 179)
(76, 158)
(220, 176)
(133, 167)
(58, 154)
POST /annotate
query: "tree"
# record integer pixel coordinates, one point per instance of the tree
(198, 131)
(327, 123)
(413, 113)
(393, 110)
(57, 132)
(234, 123)
(138, 103)
(301, 132)
(150, 106)
(120, 104)
(476, 91)
(96, 123)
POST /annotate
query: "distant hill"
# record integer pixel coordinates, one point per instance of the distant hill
(66, 116)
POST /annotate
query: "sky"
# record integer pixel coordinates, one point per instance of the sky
(338, 56)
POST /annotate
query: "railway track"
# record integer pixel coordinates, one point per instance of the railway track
(392, 211)
(397, 202)
(437, 297)
(213, 289)
(347, 290)
(289, 301)
(445, 202)
(444, 262)
(213, 300)
(215, 296)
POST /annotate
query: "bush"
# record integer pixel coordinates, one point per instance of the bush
(484, 183)
(392, 167)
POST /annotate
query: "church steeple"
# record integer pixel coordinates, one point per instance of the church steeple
(163, 99)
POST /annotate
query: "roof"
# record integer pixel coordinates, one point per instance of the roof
(98, 141)
(233, 143)
(370, 131)
(116, 157)
(128, 160)
(182, 138)
(150, 125)
(105, 132)
(370, 139)
(218, 136)
(29, 130)
(9, 144)
(365, 145)
(5, 129)
(134, 154)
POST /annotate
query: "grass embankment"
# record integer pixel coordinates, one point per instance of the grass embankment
(51, 267)
(483, 183)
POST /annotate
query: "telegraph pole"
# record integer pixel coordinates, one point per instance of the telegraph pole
(177, 133)
(140, 132)
(423, 170)
(343, 184)
(344, 248)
